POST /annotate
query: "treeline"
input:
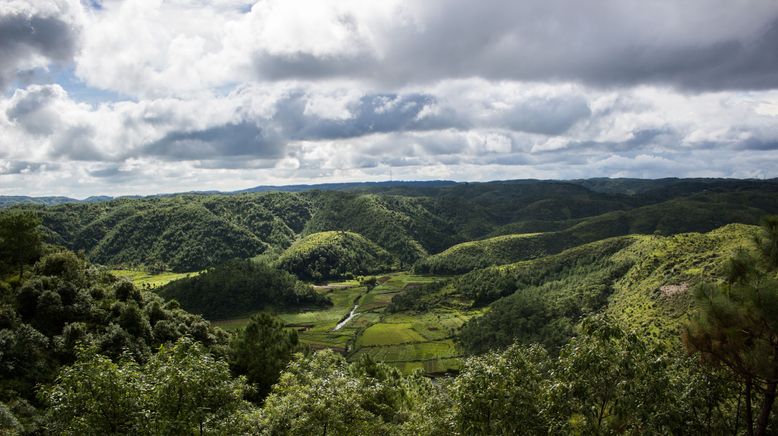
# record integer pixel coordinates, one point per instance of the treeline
(62, 305)
(241, 287)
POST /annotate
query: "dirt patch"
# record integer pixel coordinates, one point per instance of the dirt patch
(668, 291)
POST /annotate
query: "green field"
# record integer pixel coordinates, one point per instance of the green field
(407, 341)
(144, 279)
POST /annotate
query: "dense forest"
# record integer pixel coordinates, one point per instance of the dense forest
(240, 287)
(583, 307)
(191, 232)
(335, 254)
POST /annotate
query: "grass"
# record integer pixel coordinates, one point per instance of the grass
(143, 279)
(388, 334)
(407, 341)
(681, 259)
(410, 352)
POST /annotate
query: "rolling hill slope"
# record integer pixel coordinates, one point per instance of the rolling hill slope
(334, 254)
(192, 231)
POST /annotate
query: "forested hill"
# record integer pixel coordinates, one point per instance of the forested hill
(191, 232)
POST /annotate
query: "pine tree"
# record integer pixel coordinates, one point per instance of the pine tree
(737, 324)
(20, 239)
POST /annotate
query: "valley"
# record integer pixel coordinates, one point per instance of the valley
(532, 289)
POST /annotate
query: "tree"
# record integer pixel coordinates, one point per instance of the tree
(324, 394)
(181, 390)
(317, 395)
(261, 351)
(20, 237)
(501, 392)
(369, 282)
(736, 325)
(608, 380)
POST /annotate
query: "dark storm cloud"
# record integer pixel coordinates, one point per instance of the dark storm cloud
(114, 173)
(23, 36)
(759, 144)
(236, 163)
(236, 139)
(692, 45)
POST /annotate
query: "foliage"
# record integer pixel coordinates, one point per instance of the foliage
(239, 287)
(324, 394)
(333, 255)
(260, 351)
(20, 238)
(181, 390)
(183, 233)
(737, 324)
(696, 214)
(544, 314)
(498, 393)
(67, 302)
(190, 232)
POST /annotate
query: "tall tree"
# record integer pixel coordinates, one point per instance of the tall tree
(20, 238)
(261, 351)
(737, 324)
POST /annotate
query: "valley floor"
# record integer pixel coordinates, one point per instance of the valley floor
(405, 340)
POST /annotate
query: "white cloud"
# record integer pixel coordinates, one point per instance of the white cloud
(221, 92)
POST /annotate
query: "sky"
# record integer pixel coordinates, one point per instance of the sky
(117, 97)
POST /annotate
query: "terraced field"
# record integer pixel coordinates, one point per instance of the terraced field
(407, 341)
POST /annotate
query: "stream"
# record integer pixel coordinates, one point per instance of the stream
(348, 318)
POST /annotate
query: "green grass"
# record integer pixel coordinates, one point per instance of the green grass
(144, 279)
(410, 352)
(408, 341)
(388, 334)
(681, 259)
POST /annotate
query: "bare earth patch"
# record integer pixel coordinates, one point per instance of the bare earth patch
(668, 291)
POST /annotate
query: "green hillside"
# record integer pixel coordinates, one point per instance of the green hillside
(239, 287)
(334, 254)
(697, 213)
(643, 282)
(190, 232)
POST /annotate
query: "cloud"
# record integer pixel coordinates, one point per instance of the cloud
(238, 139)
(34, 34)
(22, 167)
(548, 116)
(182, 48)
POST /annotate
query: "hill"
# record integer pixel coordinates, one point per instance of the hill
(641, 281)
(190, 232)
(334, 254)
(239, 287)
(698, 213)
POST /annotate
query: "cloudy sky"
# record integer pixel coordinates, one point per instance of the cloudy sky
(144, 96)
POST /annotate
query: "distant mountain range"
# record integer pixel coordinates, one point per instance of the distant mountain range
(627, 186)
